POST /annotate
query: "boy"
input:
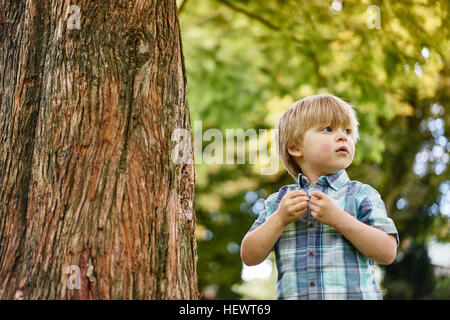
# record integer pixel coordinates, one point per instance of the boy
(326, 230)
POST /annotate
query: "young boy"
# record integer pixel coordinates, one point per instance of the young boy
(326, 230)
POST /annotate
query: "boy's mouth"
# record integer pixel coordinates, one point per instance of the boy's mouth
(342, 149)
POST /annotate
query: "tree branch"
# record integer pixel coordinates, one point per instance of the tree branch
(262, 20)
(250, 15)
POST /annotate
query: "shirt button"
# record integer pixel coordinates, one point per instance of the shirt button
(312, 284)
(311, 225)
(311, 253)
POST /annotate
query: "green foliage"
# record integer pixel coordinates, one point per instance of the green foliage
(247, 61)
(442, 291)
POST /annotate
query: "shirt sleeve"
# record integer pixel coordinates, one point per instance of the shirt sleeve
(372, 212)
(265, 212)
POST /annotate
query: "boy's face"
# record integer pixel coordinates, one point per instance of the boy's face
(325, 150)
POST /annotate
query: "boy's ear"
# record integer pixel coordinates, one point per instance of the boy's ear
(294, 151)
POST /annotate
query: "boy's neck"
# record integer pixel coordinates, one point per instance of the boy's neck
(312, 178)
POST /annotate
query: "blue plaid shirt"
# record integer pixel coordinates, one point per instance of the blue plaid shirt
(314, 260)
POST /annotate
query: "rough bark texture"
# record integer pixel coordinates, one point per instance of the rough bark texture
(86, 175)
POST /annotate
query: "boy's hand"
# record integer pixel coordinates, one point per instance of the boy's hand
(292, 205)
(324, 210)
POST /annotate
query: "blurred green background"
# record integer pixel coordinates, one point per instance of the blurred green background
(247, 61)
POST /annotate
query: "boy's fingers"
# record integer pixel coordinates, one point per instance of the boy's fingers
(300, 199)
(318, 194)
(296, 193)
(300, 206)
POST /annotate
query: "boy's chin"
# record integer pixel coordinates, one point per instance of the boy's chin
(339, 168)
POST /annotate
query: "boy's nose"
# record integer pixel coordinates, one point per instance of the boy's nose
(341, 135)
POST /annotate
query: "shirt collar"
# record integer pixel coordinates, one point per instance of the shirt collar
(336, 180)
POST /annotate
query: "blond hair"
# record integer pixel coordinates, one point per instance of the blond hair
(319, 110)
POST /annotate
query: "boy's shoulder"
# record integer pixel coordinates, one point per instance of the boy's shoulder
(362, 188)
(282, 191)
(274, 199)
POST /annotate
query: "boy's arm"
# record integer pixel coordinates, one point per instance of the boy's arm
(370, 241)
(257, 244)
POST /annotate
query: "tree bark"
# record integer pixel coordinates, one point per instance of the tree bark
(91, 204)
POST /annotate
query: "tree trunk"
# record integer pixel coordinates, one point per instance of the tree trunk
(91, 204)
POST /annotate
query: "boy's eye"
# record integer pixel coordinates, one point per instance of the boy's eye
(329, 129)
